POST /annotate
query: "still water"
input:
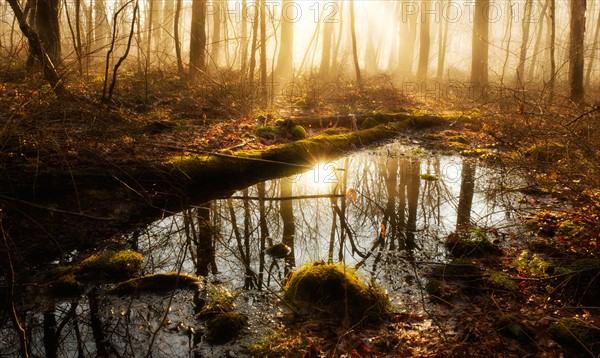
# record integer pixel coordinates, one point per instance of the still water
(385, 211)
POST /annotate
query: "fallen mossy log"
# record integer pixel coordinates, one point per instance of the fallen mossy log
(48, 214)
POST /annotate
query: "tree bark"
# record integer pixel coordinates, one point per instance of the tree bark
(443, 42)
(594, 52)
(263, 52)
(38, 50)
(551, 45)
(576, 48)
(525, 25)
(198, 39)
(326, 50)
(177, 40)
(479, 59)
(354, 46)
(424, 43)
(48, 28)
(215, 52)
(286, 49)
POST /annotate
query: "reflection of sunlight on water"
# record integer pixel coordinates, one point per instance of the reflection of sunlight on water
(323, 178)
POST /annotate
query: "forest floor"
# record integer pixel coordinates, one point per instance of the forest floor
(538, 297)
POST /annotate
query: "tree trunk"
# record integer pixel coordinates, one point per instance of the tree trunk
(215, 51)
(244, 38)
(48, 28)
(594, 52)
(198, 39)
(38, 50)
(263, 52)
(286, 48)
(576, 48)
(424, 43)
(176, 38)
(252, 64)
(151, 9)
(443, 42)
(551, 45)
(408, 36)
(538, 40)
(479, 59)
(354, 46)
(326, 50)
(100, 24)
(167, 44)
(78, 47)
(525, 25)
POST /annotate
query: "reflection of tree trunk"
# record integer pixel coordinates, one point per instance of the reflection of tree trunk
(205, 250)
(50, 337)
(343, 210)
(334, 203)
(391, 184)
(465, 199)
(286, 210)
(412, 195)
(264, 231)
(96, 324)
(248, 280)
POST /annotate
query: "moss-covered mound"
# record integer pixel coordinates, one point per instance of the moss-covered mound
(513, 327)
(473, 243)
(225, 327)
(298, 132)
(114, 266)
(576, 333)
(338, 290)
(157, 283)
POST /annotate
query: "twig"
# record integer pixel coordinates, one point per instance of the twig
(55, 210)
(597, 108)
(283, 198)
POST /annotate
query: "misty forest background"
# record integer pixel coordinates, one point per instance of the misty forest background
(263, 45)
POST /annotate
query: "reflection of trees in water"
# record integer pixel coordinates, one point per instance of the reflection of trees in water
(378, 212)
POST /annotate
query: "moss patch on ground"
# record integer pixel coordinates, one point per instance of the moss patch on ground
(114, 266)
(338, 290)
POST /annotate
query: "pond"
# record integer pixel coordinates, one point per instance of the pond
(386, 211)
